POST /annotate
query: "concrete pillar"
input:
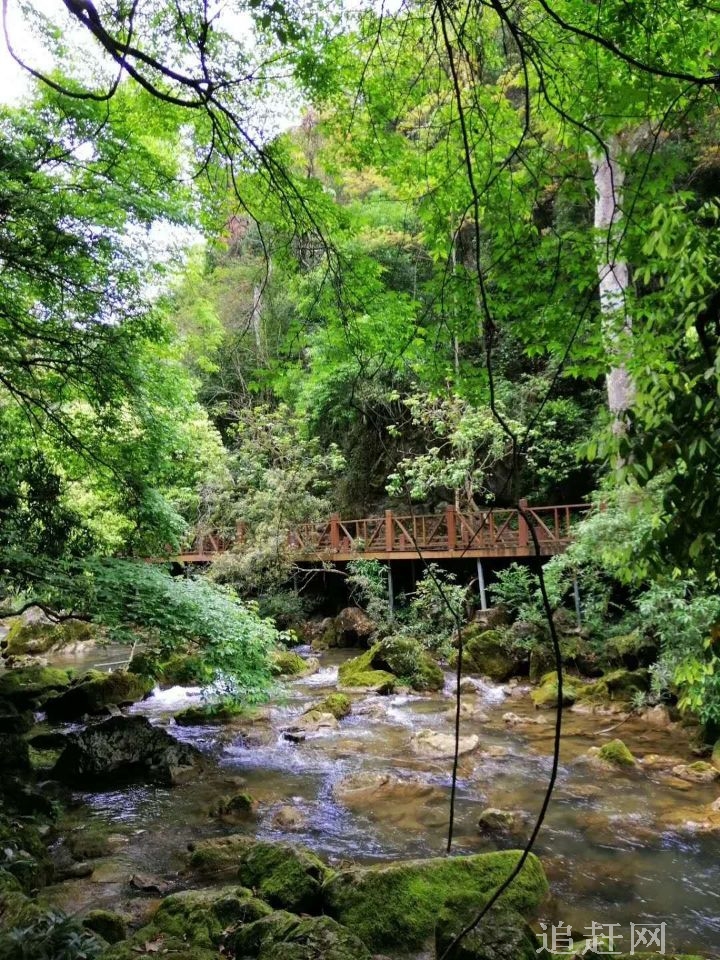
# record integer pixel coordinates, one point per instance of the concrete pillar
(481, 585)
(391, 594)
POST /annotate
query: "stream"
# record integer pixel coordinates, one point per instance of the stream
(609, 845)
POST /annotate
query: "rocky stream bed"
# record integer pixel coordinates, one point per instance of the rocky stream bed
(626, 840)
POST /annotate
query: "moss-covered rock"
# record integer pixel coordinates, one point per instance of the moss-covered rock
(353, 627)
(147, 945)
(632, 650)
(698, 772)
(287, 663)
(210, 713)
(546, 694)
(181, 669)
(110, 926)
(96, 691)
(397, 904)
(14, 754)
(616, 753)
(30, 686)
(282, 936)
(238, 807)
(202, 916)
(490, 653)
(503, 935)
(360, 673)
(617, 685)
(13, 720)
(89, 841)
(337, 704)
(286, 876)
(408, 660)
(37, 636)
(124, 749)
(392, 660)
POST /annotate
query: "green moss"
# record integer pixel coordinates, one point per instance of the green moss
(286, 876)
(202, 916)
(40, 637)
(32, 684)
(358, 672)
(489, 652)
(282, 936)
(396, 905)
(286, 663)
(238, 807)
(96, 691)
(546, 695)
(408, 660)
(210, 713)
(147, 945)
(110, 926)
(89, 842)
(503, 934)
(23, 854)
(338, 704)
(617, 753)
(617, 685)
(183, 669)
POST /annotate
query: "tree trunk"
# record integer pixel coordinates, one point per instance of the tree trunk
(609, 176)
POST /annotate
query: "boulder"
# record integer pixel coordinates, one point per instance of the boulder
(202, 916)
(490, 653)
(394, 659)
(631, 650)
(515, 720)
(440, 746)
(502, 935)
(110, 926)
(310, 723)
(618, 685)
(14, 721)
(236, 808)
(282, 936)
(360, 673)
(396, 905)
(123, 749)
(320, 634)
(209, 713)
(14, 754)
(698, 772)
(546, 695)
(34, 634)
(30, 686)
(287, 663)
(95, 692)
(353, 627)
(495, 822)
(337, 704)
(23, 854)
(612, 754)
(289, 818)
(288, 877)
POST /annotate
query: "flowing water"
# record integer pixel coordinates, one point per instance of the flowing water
(608, 844)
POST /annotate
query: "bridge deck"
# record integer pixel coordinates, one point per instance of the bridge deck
(450, 535)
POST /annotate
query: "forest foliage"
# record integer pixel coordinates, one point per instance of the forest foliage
(364, 260)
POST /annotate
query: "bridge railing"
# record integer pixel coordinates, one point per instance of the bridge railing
(497, 530)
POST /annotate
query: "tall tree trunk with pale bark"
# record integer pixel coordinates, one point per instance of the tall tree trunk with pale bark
(609, 176)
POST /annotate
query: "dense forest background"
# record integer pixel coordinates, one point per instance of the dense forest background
(440, 254)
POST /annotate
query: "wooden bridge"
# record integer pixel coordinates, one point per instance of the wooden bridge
(452, 534)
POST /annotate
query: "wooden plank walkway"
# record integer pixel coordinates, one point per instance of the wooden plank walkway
(450, 535)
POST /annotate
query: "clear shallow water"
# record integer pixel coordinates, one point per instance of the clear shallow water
(606, 844)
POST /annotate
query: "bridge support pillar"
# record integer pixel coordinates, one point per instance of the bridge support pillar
(391, 592)
(578, 606)
(481, 585)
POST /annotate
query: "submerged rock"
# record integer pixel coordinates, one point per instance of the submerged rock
(396, 905)
(440, 746)
(95, 692)
(123, 749)
(289, 818)
(286, 876)
(410, 802)
(282, 936)
(495, 822)
(239, 807)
